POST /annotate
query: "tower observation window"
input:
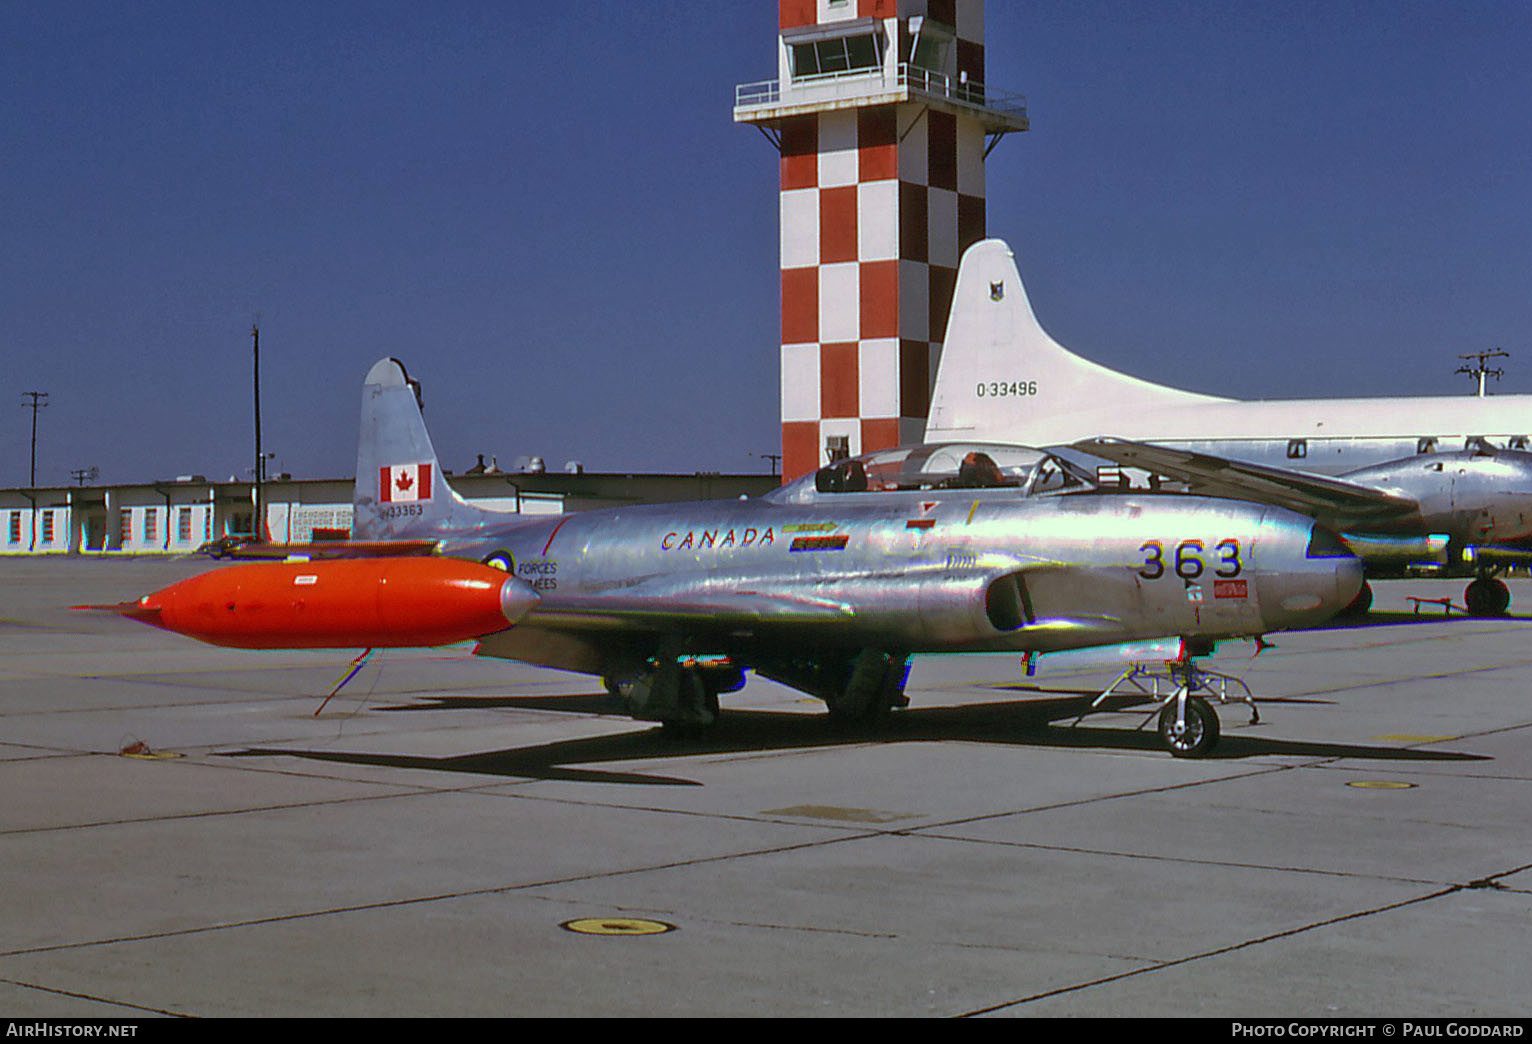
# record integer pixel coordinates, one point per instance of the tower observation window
(836, 55)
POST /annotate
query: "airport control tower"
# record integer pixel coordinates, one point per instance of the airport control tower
(883, 121)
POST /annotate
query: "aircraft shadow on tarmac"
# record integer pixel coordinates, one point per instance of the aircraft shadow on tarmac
(1026, 723)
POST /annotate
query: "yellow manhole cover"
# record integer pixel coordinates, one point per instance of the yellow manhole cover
(617, 926)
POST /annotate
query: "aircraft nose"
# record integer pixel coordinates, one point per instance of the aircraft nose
(1313, 584)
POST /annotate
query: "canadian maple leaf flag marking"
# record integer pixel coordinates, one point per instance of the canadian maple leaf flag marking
(404, 483)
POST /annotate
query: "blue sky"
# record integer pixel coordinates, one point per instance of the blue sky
(547, 212)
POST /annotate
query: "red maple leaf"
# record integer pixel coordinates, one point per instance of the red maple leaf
(404, 481)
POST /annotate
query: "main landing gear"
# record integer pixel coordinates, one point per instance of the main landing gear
(1487, 596)
(858, 689)
(681, 691)
(1187, 723)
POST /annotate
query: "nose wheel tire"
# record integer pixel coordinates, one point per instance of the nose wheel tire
(1192, 734)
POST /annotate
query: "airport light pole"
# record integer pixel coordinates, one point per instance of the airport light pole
(39, 400)
(260, 460)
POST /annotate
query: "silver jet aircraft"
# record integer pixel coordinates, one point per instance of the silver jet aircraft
(1467, 512)
(830, 584)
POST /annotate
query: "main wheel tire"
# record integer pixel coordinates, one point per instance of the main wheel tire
(703, 699)
(1487, 596)
(1194, 737)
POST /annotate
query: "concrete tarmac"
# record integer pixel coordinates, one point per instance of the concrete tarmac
(429, 843)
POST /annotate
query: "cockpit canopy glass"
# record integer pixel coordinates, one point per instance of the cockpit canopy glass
(948, 465)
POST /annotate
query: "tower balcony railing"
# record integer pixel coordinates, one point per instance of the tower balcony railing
(759, 99)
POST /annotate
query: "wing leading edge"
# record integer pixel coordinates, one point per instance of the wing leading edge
(1333, 501)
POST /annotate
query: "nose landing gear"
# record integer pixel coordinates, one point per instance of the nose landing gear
(1188, 725)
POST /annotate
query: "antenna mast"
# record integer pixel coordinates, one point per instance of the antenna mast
(1483, 369)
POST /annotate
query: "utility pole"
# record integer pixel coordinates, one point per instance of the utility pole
(39, 400)
(1482, 370)
(260, 459)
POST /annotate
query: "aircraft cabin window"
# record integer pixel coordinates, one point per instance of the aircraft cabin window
(846, 476)
(948, 466)
(1518, 442)
(1425, 445)
(1297, 449)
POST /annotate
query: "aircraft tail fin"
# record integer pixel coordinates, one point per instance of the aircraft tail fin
(401, 492)
(1003, 379)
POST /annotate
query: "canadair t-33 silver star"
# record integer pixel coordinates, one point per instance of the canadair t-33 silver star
(829, 585)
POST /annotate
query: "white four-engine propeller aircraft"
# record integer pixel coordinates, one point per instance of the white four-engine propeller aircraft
(829, 585)
(1408, 480)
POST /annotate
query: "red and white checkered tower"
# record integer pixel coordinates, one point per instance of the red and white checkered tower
(883, 123)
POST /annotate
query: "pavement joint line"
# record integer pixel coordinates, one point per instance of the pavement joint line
(1383, 682)
(1150, 856)
(57, 992)
(1219, 951)
(386, 904)
(860, 835)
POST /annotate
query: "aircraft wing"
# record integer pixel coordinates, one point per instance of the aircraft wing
(1334, 501)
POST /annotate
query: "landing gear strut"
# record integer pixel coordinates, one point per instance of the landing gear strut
(1188, 724)
(677, 690)
(875, 687)
(856, 689)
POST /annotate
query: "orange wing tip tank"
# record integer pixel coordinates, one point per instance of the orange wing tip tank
(341, 604)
